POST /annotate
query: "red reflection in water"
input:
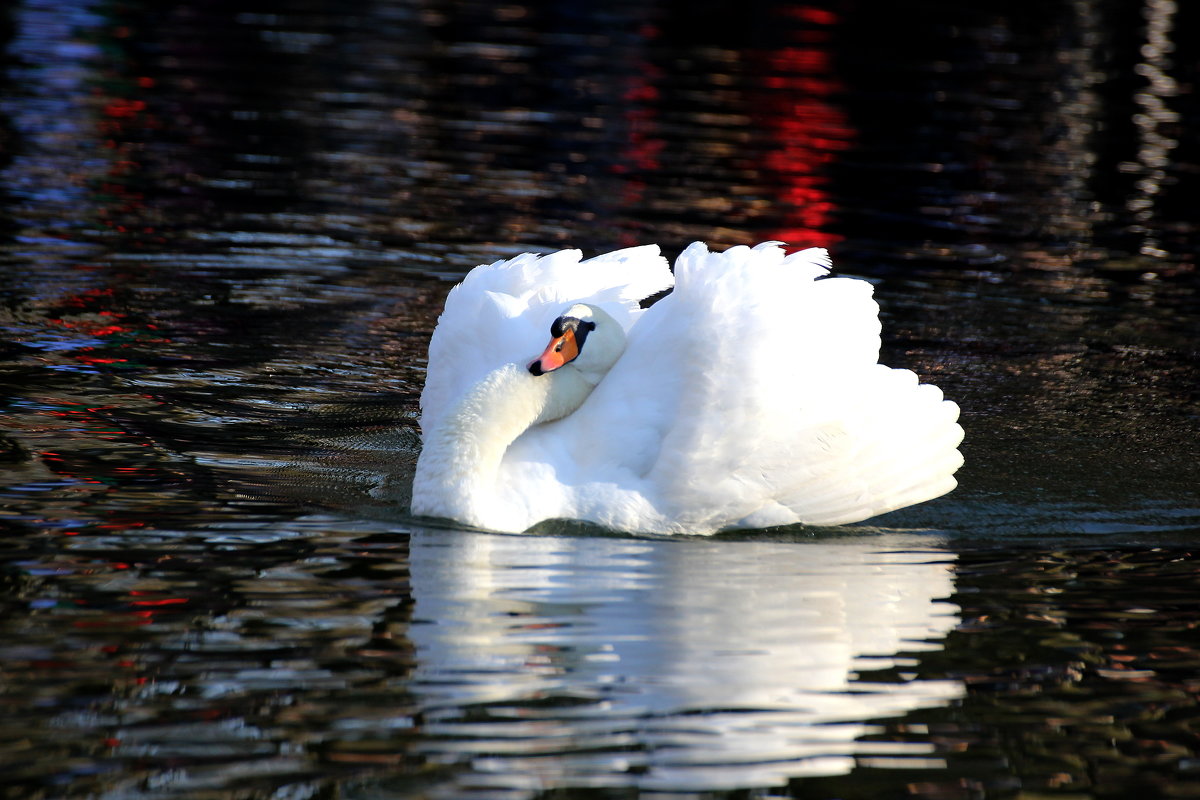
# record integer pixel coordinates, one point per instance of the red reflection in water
(807, 127)
(166, 601)
(91, 318)
(123, 120)
(643, 144)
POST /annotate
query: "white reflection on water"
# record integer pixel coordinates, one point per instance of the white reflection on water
(685, 664)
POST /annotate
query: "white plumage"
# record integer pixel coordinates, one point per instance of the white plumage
(748, 397)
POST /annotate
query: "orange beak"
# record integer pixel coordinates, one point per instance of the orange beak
(561, 350)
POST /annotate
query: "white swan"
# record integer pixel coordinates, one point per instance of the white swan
(748, 397)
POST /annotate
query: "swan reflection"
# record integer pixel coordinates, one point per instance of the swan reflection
(689, 664)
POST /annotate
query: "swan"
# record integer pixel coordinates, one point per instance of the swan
(748, 397)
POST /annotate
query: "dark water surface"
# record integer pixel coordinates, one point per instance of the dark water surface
(226, 231)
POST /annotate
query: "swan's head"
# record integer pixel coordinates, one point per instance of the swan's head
(586, 338)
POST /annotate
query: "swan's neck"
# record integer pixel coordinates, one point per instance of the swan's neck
(462, 456)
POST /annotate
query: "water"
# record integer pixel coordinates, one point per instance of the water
(226, 231)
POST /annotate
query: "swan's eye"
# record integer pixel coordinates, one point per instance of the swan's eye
(563, 349)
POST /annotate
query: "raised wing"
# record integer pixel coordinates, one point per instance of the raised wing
(751, 396)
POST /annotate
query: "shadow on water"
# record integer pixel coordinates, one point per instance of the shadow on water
(226, 232)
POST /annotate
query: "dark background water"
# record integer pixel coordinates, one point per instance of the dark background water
(226, 230)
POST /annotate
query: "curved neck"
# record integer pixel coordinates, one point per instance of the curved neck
(462, 455)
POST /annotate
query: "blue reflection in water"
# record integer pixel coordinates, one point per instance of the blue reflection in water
(53, 113)
(672, 664)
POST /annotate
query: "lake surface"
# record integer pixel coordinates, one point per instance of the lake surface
(226, 232)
